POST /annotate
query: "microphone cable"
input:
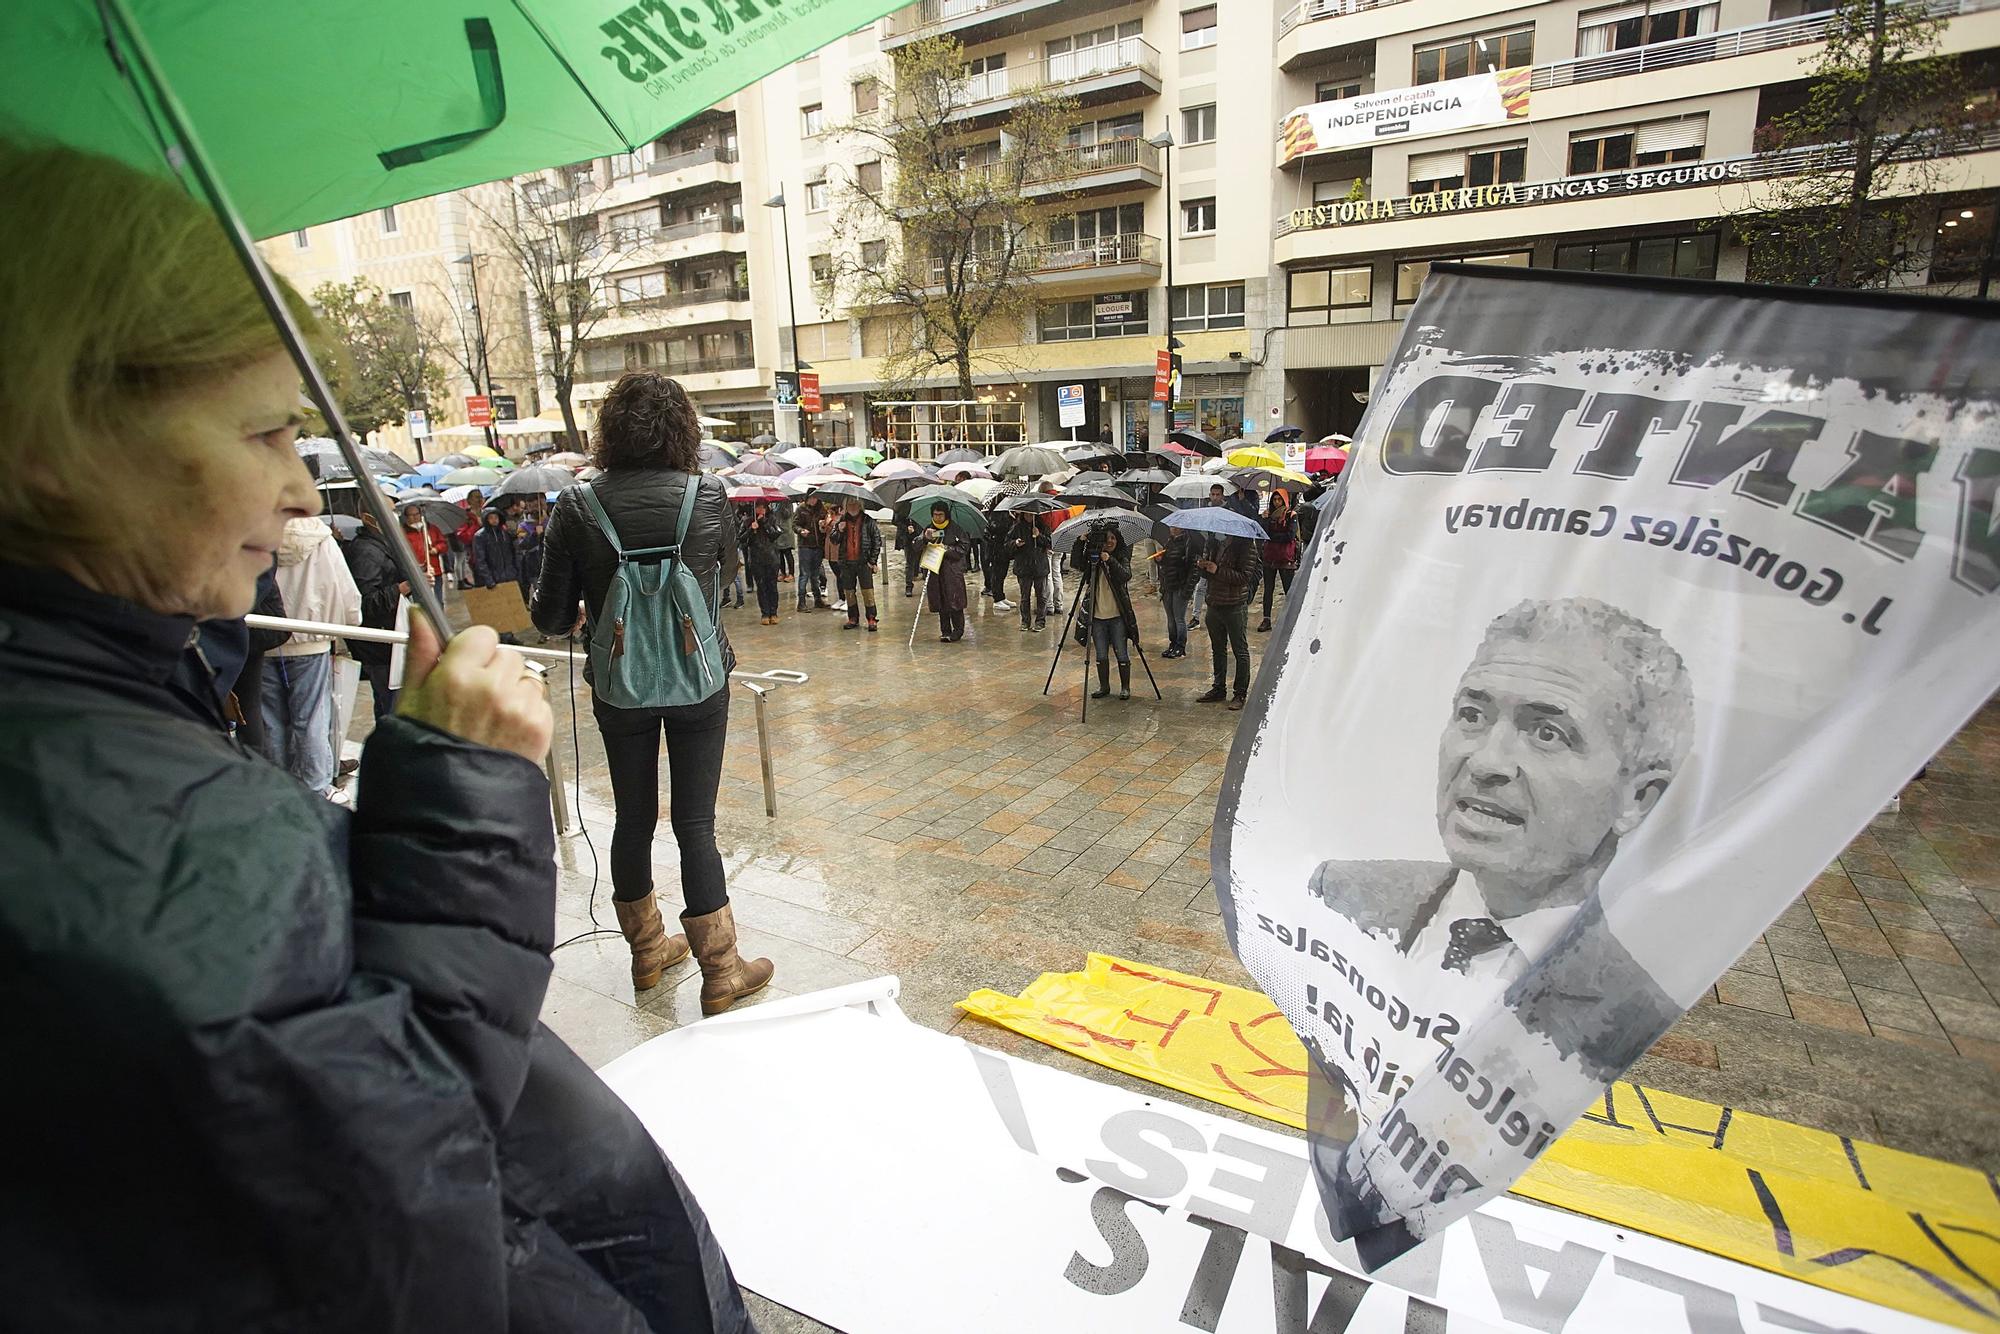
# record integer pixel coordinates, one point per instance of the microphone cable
(583, 826)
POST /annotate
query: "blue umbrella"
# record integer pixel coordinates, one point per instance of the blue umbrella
(409, 479)
(433, 469)
(1216, 519)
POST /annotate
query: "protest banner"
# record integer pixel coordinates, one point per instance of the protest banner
(1609, 647)
(1492, 98)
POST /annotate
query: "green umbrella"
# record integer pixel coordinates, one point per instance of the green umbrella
(964, 513)
(497, 462)
(448, 100)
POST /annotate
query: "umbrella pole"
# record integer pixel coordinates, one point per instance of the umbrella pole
(1061, 640)
(182, 148)
(917, 615)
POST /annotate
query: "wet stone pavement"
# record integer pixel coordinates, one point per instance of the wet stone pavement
(941, 820)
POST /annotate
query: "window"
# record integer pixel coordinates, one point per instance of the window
(1681, 139)
(1216, 306)
(405, 304)
(1458, 57)
(1642, 23)
(1600, 150)
(1198, 125)
(1106, 315)
(812, 120)
(630, 288)
(1410, 274)
(624, 166)
(868, 177)
(867, 96)
(1437, 171)
(1197, 27)
(976, 157)
(874, 254)
(1497, 165)
(1095, 224)
(1337, 90)
(1329, 296)
(1653, 256)
(1128, 126)
(634, 228)
(985, 76)
(1330, 192)
(822, 268)
(816, 196)
(389, 225)
(1960, 254)
(1198, 216)
(301, 239)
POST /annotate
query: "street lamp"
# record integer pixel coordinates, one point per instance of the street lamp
(777, 201)
(1164, 141)
(485, 378)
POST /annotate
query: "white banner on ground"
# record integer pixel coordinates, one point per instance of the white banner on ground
(886, 1179)
(1609, 647)
(1492, 98)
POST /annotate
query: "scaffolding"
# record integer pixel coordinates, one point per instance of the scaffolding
(923, 428)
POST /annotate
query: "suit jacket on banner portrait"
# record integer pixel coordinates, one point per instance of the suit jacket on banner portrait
(1637, 600)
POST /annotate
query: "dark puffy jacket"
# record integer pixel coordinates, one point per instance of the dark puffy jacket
(837, 535)
(1101, 576)
(493, 559)
(1237, 570)
(287, 1064)
(1281, 542)
(373, 564)
(806, 521)
(528, 554)
(1025, 546)
(760, 539)
(644, 505)
(1177, 560)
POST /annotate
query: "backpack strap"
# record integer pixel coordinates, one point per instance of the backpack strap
(604, 525)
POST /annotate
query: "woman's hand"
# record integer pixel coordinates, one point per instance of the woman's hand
(475, 690)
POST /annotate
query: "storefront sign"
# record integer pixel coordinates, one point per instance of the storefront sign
(1112, 309)
(809, 391)
(785, 388)
(1473, 197)
(478, 410)
(1163, 375)
(1407, 113)
(1687, 583)
(506, 408)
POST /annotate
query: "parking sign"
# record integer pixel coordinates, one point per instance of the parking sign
(1069, 405)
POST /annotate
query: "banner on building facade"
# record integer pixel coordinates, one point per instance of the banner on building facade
(1608, 648)
(1492, 98)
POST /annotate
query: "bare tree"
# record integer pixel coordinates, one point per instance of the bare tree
(1883, 114)
(547, 229)
(941, 237)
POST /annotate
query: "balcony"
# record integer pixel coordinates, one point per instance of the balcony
(1126, 68)
(676, 300)
(1129, 255)
(680, 240)
(975, 21)
(1116, 164)
(698, 157)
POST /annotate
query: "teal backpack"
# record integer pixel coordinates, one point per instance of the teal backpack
(653, 644)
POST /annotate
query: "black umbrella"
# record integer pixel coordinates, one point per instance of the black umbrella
(438, 513)
(1096, 493)
(457, 461)
(1264, 479)
(764, 438)
(1196, 441)
(1082, 454)
(1130, 524)
(761, 465)
(1035, 504)
(1146, 477)
(1152, 458)
(960, 456)
(1284, 435)
(850, 491)
(893, 489)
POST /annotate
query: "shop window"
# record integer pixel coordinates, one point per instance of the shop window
(1962, 251)
(1688, 256)
(1211, 306)
(1197, 27)
(1106, 315)
(1458, 57)
(1329, 296)
(1622, 27)
(1410, 274)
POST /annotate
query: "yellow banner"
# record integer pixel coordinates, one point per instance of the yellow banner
(1889, 1227)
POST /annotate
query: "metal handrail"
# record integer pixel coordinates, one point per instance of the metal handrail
(1760, 36)
(694, 157)
(1116, 57)
(760, 685)
(1083, 159)
(694, 297)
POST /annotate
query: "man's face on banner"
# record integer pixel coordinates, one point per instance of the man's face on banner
(1533, 770)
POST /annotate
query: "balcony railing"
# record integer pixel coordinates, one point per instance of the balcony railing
(676, 300)
(1126, 55)
(610, 368)
(1814, 159)
(1785, 32)
(697, 157)
(1088, 159)
(1104, 252)
(931, 13)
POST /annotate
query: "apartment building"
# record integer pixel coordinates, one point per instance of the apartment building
(436, 258)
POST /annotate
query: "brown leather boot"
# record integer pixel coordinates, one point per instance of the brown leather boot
(653, 950)
(726, 976)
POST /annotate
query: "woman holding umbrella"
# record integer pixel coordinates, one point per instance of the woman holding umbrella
(297, 1045)
(1105, 563)
(1281, 550)
(1028, 551)
(945, 594)
(428, 543)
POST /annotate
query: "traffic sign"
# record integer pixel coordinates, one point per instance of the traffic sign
(809, 391)
(420, 424)
(1069, 405)
(478, 410)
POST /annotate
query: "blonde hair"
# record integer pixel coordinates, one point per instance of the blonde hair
(118, 293)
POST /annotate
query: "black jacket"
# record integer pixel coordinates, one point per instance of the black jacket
(1177, 560)
(806, 521)
(493, 559)
(760, 539)
(1113, 575)
(1238, 567)
(373, 564)
(1025, 546)
(286, 1064)
(644, 505)
(836, 537)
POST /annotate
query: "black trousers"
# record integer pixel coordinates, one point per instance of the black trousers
(696, 735)
(1034, 587)
(767, 590)
(378, 686)
(951, 624)
(1272, 576)
(1229, 630)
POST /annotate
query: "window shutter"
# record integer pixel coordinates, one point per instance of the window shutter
(1432, 166)
(1596, 18)
(1661, 135)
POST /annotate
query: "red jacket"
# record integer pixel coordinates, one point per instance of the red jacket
(428, 545)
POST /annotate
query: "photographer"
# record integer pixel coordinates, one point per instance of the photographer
(1026, 545)
(1105, 563)
(946, 592)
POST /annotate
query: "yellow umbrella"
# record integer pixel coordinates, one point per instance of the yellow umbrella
(488, 452)
(1255, 456)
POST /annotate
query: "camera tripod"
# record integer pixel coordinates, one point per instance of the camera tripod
(1062, 640)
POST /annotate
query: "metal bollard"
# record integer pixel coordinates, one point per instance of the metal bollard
(760, 685)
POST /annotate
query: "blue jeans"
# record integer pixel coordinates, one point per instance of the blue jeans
(298, 713)
(1108, 635)
(1176, 600)
(811, 578)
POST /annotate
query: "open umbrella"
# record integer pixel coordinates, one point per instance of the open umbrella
(800, 456)
(567, 459)
(761, 465)
(893, 489)
(432, 470)
(1255, 456)
(958, 472)
(963, 512)
(450, 461)
(344, 524)
(528, 481)
(1192, 486)
(1094, 492)
(482, 451)
(1285, 435)
(756, 492)
(981, 489)
(715, 457)
(1326, 459)
(1088, 454)
(895, 468)
(1195, 442)
(851, 490)
(1146, 477)
(852, 466)
(1218, 519)
(1033, 504)
(1271, 479)
(961, 455)
(474, 477)
(439, 513)
(1029, 461)
(1131, 525)
(1153, 458)
(764, 439)
(860, 454)
(497, 464)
